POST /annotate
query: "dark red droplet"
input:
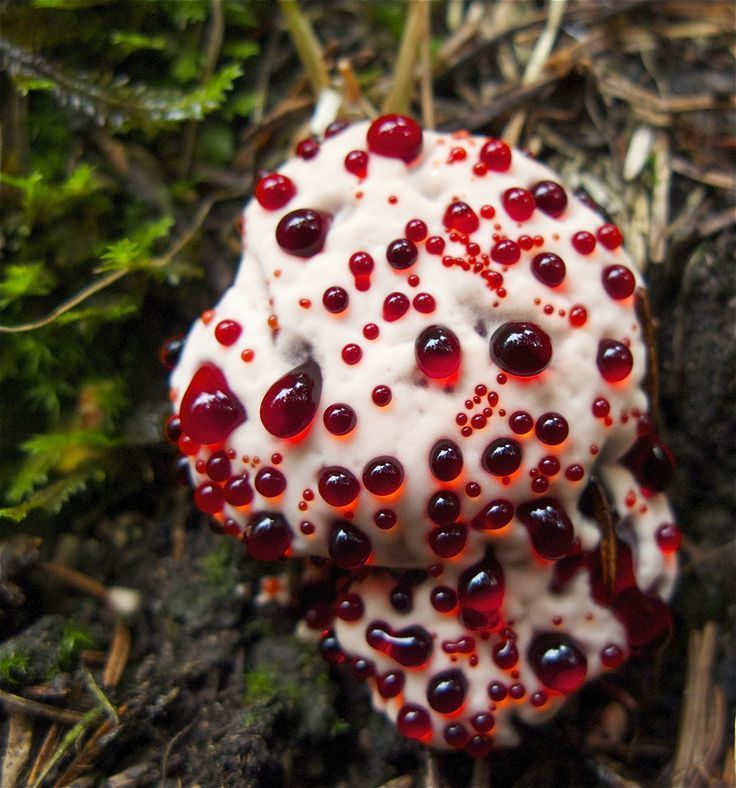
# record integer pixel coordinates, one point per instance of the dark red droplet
(410, 647)
(414, 722)
(290, 404)
(558, 660)
(668, 537)
(385, 519)
(270, 482)
(647, 619)
(461, 217)
(172, 430)
(494, 515)
(483, 722)
(550, 529)
(551, 428)
(170, 352)
(267, 536)
(496, 155)
(448, 540)
(395, 306)
(390, 684)
(550, 198)
(518, 204)
(307, 149)
(479, 746)
(209, 498)
(502, 457)
(505, 252)
(396, 137)
(497, 691)
(401, 254)
(209, 410)
(302, 233)
(618, 281)
(416, 230)
(437, 352)
(584, 242)
(480, 593)
(446, 691)
(610, 236)
(238, 491)
(612, 655)
(361, 266)
(505, 654)
(549, 466)
(337, 485)
(349, 607)
(274, 191)
(356, 163)
(402, 598)
(522, 349)
(521, 422)
(614, 360)
(383, 475)
(348, 546)
(424, 303)
(446, 460)
(549, 269)
(339, 418)
(352, 354)
(651, 463)
(456, 735)
(443, 599)
(218, 466)
(381, 396)
(335, 300)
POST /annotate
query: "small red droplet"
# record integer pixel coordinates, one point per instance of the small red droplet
(584, 242)
(356, 163)
(352, 354)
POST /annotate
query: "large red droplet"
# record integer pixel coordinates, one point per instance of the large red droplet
(651, 463)
(502, 457)
(558, 661)
(437, 352)
(496, 155)
(448, 540)
(618, 281)
(519, 204)
(383, 475)
(338, 486)
(395, 306)
(302, 232)
(209, 409)
(551, 428)
(348, 546)
(494, 515)
(396, 137)
(550, 198)
(550, 529)
(267, 536)
(480, 593)
(274, 191)
(414, 722)
(549, 269)
(290, 404)
(410, 647)
(446, 460)
(446, 691)
(461, 217)
(614, 360)
(522, 349)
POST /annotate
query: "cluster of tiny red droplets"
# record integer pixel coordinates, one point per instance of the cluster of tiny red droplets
(519, 447)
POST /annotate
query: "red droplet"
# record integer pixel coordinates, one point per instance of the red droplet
(461, 217)
(456, 735)
(618, 281)
(307, 149)
(446, 460)
(361, 266)
(270, 482)
(601, 408)
(578, 316)
(401, 254)
(414, 722)
(348, 546)
(505, 654)
(651, 463)
(574, 473)
(209, 409)
(383, 475)
(337, 485)
(385, 519)
(549, 269)
(521, 422)
(267, 536)
(550, 529)
(424, 303)
(480, 593)
(612, 655)
(479, 746)
(669, 537)
(610, 236)
(494, 515)
(395, 306)
(172, 429)
(170, 352)
(584, 242)
(381, 396)
(335, 300)
(415, 230)
(549, 466)
(449, 540)
(238, 491)
(218, 466)
(446, 691)
(335, 128)
(410, 647)
(209, 498)
(339, 419)
(505, 252)
(550, 198)
(457, 154)
(522, 349)
(302, 233)
(502, 457)
(390, 684)
(496, 155)
(443, 599)
(614, 360)
(551, 428)
(356, 163)
(558, 661)
(497, 691)
(518, 204)
(437, 352)
(274, 191)
(352, 354)
(435, 245)
(443, 508)
(396, 137)
(291, 402)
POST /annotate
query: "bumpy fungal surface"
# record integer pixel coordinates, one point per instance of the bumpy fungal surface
(429, 350)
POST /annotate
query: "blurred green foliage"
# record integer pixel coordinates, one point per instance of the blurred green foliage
(110, 111)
